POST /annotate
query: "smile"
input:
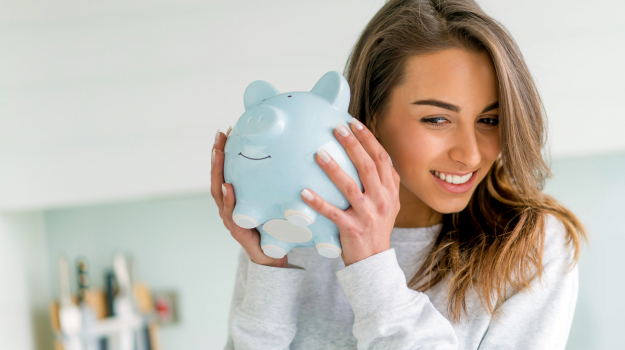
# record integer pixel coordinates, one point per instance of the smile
(241, 154)
(454, 183)
(452, 179)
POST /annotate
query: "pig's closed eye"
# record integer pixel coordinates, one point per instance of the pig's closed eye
(241, 154)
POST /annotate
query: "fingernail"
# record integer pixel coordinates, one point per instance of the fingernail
(306, 193)
(324, 155)
(213, 156)
(217, 136)
(357, 124)
(341, 129)
(224, 190)
(228, 132)
(390, 160)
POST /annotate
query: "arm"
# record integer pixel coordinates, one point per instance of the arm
(540, 319)
(263, 307)
(388, 314)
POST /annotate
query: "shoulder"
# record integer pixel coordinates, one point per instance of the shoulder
(558, 245)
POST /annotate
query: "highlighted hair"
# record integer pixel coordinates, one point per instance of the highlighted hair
(499, 236)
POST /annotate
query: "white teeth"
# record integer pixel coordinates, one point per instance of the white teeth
(455, 179)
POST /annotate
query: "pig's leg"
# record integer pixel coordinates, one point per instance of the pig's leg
(272, 247)
(328, 244)
(299, 213)
(247, 215)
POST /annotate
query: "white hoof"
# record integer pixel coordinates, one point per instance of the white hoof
(285, 231)
(298, 218)
(245, 221)
(328, 250)
(274, 252)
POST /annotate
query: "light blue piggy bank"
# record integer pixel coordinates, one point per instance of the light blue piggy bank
(270, 158)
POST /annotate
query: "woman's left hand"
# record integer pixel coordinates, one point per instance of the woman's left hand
(365, 227)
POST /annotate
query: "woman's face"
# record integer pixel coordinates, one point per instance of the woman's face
(442, 122)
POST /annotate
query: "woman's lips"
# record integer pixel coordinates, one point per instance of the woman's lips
(460, 188)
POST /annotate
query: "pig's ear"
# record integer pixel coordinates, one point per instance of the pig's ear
(256, 92)
(333, 87)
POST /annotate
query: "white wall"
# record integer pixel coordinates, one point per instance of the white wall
(24, 287)
(124, 103)
(122, 99)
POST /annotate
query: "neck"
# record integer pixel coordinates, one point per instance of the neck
(413, 212)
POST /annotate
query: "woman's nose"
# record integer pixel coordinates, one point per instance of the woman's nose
(465, 149)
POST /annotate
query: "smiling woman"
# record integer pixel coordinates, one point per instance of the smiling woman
(441, 128)
(447, 93)
(442, 89)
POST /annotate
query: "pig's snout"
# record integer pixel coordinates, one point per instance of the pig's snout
(261, 123)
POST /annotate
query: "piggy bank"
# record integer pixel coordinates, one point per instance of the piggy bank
(270, 158)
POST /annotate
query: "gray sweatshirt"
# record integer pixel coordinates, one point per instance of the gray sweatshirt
(318, 303)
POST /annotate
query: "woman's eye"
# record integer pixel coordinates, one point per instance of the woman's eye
(437, 121)
(490, 121)
(440, 121)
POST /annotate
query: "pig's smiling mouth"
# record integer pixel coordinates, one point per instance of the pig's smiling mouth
(241, 154)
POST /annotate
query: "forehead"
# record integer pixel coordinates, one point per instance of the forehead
(453, 74)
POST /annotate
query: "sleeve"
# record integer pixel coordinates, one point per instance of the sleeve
(388, 314)
(540, 318)
(263, 307)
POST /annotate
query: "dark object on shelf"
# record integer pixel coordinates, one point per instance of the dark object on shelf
(83, 278)
(111, 291)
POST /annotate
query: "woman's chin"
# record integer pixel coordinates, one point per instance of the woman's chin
(445, 206)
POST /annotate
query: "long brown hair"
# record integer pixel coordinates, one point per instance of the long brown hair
(500, 234)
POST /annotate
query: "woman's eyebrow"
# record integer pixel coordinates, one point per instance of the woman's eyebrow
(491, 106)
(438, 103)
(452, 107)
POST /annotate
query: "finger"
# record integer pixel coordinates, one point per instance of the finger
(217, 169)
(376, 151)
(249, 239)
(396, 178)
(229, 202)
(367, 169)
(347, 185)
(220, 140)
(228, 209)
(329, 211)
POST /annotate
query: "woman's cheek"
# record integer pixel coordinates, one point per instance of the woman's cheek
(490, 147)
(427, 152)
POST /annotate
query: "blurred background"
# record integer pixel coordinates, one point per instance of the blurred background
(108, 112)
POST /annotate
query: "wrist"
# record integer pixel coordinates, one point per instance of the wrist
(364, 255)
(283, 263)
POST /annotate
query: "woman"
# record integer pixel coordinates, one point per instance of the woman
(442, 89)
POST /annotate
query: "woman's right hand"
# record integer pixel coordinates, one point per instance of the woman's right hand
(223, 194)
